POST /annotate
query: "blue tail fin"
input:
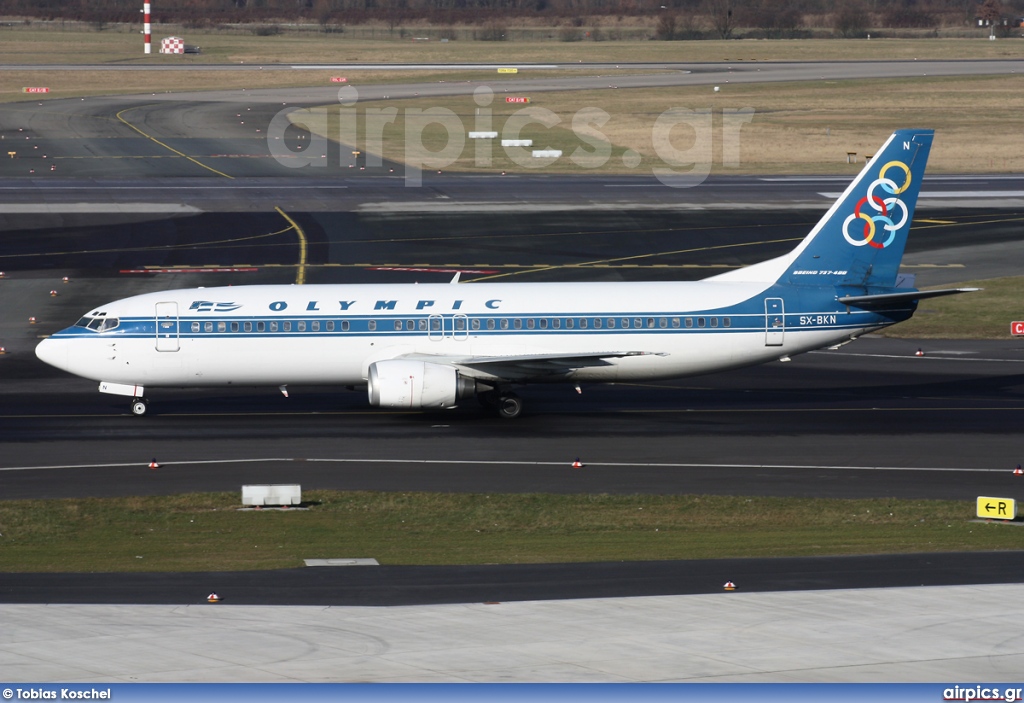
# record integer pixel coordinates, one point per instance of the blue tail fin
(860, 240)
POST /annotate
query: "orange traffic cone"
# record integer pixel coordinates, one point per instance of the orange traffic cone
(730, 586)
(919, 352)
(213, 598)
(1016, 472)
(53, 294)
(154, 465)
(577, 464)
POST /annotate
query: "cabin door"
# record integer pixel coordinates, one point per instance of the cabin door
(774, 321)
(167, 327)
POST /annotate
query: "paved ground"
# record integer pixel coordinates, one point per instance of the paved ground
(952, 633)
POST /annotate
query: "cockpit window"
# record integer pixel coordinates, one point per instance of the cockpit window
(98, 324)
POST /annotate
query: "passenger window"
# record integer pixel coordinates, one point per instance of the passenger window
(490, 323)
(714, 322)
(531, 323)
(261, 326)
(422, 325)
(597, 323)
(583, 323)
(689, 322)
(650, 322)
(625, 323)
(207, 327)
(700, 321)
(726, 322)
(675, 322)
(517, 323)
(543, 323)
(371, 325)
(273, 325)
(234, 326)
(330, 325)
(195, 326)
(222, 327)
(410, 325)
(344, 325)
(398, 325)
(504, 323)
(286, 325)
(662, 322)
(301, 325)
(611, 323)
(475, 323)
(460, 323)
(435, 324)
(557, 323)
(315, 325)
(247, 326)
(638, 323)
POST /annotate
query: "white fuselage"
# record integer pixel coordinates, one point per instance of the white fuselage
(330, 334)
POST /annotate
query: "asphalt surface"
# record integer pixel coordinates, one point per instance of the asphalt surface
(420, 585)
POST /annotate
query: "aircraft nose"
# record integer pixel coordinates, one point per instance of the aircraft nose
(54, 352)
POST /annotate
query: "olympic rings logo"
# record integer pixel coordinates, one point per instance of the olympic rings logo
(885, 207)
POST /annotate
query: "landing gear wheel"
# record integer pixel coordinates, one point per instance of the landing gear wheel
(139, 406)
(510, 406)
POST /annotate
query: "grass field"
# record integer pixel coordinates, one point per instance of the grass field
(207, 532)
(123, 44)
(799, 127)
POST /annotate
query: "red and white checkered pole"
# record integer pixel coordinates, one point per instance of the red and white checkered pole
(146, 33)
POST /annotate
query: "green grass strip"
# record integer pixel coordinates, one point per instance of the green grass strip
(207, 531)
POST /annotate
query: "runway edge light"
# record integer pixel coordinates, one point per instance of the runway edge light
(577, 464)
(730, 586)
(153, 464)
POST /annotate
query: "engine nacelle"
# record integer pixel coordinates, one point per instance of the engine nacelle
(405, 383)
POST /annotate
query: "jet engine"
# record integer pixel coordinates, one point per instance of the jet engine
(405, 383)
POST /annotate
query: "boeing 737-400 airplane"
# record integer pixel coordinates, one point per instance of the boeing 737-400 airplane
(428, 346)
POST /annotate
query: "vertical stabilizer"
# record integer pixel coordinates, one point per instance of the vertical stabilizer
(860, 240)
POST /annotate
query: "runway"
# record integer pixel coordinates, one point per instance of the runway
(867, 420)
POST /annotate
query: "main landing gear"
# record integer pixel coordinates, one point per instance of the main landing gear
(140, 406)
(501, 402)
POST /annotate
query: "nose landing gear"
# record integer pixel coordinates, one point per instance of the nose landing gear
(140, 406)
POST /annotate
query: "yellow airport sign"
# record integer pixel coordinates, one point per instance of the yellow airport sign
(997, 508)
(508, 70)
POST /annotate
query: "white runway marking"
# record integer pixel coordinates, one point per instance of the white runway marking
(81, 208)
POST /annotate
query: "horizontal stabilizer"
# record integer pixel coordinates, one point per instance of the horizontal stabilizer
(884, 299)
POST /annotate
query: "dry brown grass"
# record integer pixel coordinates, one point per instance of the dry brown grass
(124, 45)
(796, 127)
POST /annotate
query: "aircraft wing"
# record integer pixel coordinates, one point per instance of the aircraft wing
(521, 366)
